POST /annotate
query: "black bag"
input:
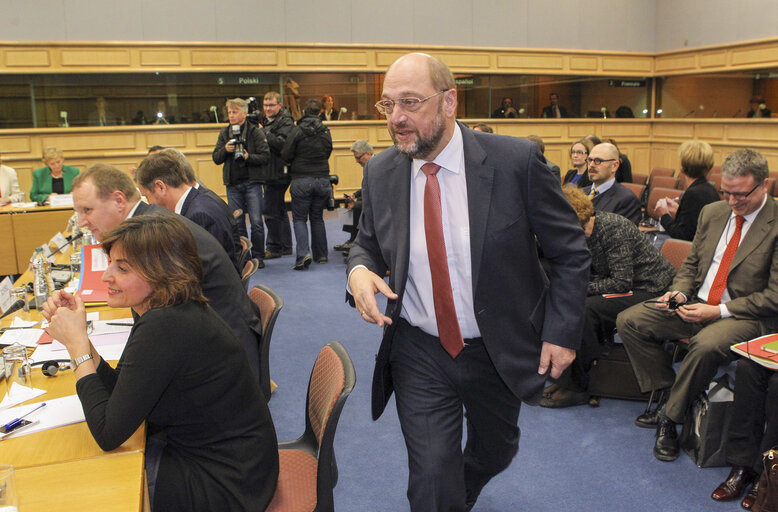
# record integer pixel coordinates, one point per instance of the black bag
(767, 495)
(612, 375)
(704, 434)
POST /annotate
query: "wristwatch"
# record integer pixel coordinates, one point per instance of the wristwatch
(77, 361)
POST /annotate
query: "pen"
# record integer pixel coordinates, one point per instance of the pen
(13, 424)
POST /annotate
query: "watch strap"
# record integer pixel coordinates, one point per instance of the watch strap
(74, 363)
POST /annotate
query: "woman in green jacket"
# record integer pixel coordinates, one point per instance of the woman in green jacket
(55, 178)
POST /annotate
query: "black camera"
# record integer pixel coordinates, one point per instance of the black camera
(255, 116)
(331, 200)
(237, 139)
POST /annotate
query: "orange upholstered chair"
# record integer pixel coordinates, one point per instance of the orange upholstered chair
(269, 304)
(307, 470)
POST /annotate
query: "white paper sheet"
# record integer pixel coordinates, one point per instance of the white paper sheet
(57, 412)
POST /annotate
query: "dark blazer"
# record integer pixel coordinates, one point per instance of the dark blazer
(548, 113)
(752, 281)
(699, 193)
(227, 211)
(256, 147)
(206, 213)
(512, 200)
(618, 199)
(276, 132)
(554, 168)
(41, 182)
(222, 287)
(583, 182)
(624, 172)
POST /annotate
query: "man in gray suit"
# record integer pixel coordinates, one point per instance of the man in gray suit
(472, 320)
(728, 291)
(104, 196)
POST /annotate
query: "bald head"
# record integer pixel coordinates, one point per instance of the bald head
(607, 149)
(422, 129)
(608, 156)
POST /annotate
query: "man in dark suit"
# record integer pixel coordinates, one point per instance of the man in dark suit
(728, 291)
(104, 196)
(554, 110)
(164, 182)
(474, 322)
(607, 194)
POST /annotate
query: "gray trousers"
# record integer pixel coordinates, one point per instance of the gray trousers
(644, 331)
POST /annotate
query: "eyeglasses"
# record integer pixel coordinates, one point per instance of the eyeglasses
(738, 196)
(270, 104)
(598, 161)
(386, 107)
(358, 157)
(578, 152)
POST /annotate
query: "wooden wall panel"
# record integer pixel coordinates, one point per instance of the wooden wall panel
(233, 58)
(210, 174)
(312, 58)
(8, 263)
(95, 58)
(15, 144)
(91, 142)
(27, 58)
(674, 130)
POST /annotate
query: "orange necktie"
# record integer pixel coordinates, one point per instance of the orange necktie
(443, 296)
(720, 281)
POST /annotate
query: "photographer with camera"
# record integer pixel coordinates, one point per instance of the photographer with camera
(307, 152)
(243, 150)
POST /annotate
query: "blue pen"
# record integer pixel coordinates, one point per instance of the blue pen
(15, 423)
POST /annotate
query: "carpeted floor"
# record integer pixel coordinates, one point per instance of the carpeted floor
(577, 459)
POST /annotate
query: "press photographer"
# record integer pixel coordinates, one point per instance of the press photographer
(243, 150)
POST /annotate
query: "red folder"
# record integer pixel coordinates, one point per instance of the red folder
(93, 290)
(753, 350)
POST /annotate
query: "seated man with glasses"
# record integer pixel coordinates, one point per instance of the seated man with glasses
(607, 194)
(725, 292)
(362, 151)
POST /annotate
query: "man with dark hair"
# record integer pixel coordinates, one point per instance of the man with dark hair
(472, 321)
(607, 194)
(164, 182)
(277, 128)
(104, 196)
(242, 148)
(727, 290)
(307, 151)
(554, 168)
(554, 110)
(506, 109)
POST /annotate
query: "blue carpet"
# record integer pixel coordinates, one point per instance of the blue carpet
(577, 459)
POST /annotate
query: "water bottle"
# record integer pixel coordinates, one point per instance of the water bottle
(42, 284)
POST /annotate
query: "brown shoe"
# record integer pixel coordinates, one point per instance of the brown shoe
(750, 499)
(565, 398)
(733, 487)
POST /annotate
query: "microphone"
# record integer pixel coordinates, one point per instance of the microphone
(16, 306)
(738, 111)
(72, 239)
(692, 111)
(215, 112)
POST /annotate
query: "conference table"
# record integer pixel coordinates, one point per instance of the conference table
(22, 229)
(64, 468)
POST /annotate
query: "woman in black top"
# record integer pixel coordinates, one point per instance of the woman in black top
(212, 445)
(696, 162)
(579, 174)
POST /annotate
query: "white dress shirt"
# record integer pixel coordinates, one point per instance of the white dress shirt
(180, 203)
(418, 306)
(729, 230)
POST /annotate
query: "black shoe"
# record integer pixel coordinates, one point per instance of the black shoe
(667, 446)
(304, 263)
(565, 398)
(270, 255)
(547, 392)
(648, 419)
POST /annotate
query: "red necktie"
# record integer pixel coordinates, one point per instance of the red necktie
(445, 311)
(720, 281)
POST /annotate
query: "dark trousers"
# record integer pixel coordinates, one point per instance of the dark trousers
(431, 390)
(248, 197)
(599, 323)
(756, 403)
(353, 229)
(279, 231)
(644, 331)
(309, 199)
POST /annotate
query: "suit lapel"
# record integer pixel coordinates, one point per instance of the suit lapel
(479, 178)
(397, 184)
(717, 226)
(756, 233)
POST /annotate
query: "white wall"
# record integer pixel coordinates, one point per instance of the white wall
(627, 25)
(691, 23)
(507, 23)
